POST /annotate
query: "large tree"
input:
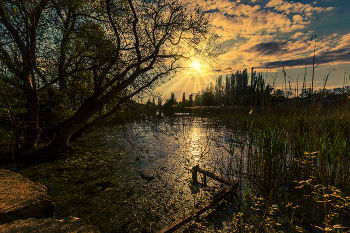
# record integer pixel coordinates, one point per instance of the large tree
(117, 48)
(19, 24)
(45, 42)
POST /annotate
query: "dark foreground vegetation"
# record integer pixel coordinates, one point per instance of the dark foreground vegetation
(293, 164)
(292, 159)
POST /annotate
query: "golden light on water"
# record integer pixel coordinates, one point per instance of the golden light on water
(195, 150)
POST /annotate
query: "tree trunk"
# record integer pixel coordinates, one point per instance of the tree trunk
(97, 120)
(86, 126)
(80, 132)
(66, 129)
(33, 131)
(13, 119)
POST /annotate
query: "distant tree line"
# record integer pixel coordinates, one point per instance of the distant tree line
(233, 91)
(238, 89)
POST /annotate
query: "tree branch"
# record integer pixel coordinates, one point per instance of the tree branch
(134, 28)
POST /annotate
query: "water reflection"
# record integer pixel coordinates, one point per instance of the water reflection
(136, 177)
(195, 150)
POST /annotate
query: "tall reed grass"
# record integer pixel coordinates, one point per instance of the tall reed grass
(294, 168)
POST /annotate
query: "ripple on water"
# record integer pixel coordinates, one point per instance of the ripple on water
(140, 181)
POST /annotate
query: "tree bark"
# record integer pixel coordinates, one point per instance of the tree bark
(26, 44)
(86, 126)
(33, 131)
(66, 129)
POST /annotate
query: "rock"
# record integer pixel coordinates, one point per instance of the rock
(48, 225)
(147, 178)
(21, 198)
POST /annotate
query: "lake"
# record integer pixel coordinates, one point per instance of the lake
(135, 177)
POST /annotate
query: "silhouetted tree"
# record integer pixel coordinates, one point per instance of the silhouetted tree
(116, 48)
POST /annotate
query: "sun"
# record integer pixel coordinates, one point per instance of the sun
(196, 66)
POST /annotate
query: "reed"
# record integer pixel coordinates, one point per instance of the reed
(294, 167)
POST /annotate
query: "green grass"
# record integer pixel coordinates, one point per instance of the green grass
(294, 167)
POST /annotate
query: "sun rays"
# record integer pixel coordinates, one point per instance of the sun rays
(197, 66)
(195, 75)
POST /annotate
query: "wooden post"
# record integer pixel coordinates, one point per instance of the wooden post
(194, 173)
(227, 193)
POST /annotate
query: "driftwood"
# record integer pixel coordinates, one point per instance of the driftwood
(196, 169)
(224, 193)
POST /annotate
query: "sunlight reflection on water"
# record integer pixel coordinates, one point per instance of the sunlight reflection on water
(137, 175)
(167, 150)
(195, 150)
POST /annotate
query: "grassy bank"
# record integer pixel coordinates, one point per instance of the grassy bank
(293, 166)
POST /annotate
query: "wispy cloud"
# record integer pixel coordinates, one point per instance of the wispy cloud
(275, 31)
(233, 19)
(254, 33)
(301, 35)
(336, 55)
(276, 48)
(296, 7)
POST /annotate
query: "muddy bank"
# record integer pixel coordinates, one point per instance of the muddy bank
(26, 207)
(21, 198)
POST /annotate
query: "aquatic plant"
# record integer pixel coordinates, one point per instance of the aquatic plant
(294, 169)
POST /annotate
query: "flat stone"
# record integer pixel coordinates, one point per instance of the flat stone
(48, 225)
(21, 198)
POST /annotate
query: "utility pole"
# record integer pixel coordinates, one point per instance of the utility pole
(313, 66)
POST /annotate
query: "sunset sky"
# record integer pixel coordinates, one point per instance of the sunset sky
(271, 34)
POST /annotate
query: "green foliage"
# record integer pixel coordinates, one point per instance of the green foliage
(170, 105)
(3, 111)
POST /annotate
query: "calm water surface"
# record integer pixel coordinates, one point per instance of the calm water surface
(135, 178)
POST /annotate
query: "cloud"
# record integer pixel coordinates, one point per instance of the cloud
(295, 7)
(246, 21)
(342, 42)
(232, 18)
(270, 48)
(252, 34)
(301, 35)
(242, 10)
(330, 57)
(278, 49)
(336, 55)
(260, 51)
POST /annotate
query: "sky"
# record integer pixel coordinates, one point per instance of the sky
(269, 35)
